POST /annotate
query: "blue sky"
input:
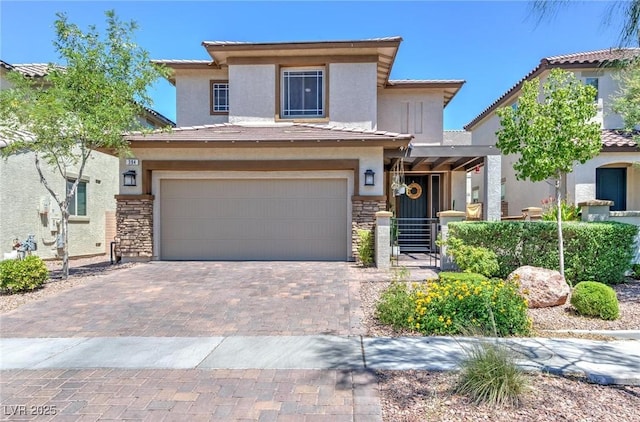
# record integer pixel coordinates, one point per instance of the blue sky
(491, 45)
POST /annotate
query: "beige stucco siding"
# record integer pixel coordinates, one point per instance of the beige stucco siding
(193, 101)
(352, 95)
(369, 158)
(580, 184)
(485, 132)
(252, 90)
(410, 111)
(582, 181)
(21, 193)
(608, 86)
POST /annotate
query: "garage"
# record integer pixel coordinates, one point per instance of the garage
(254, 219)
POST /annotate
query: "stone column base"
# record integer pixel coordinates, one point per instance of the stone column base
(134, 227)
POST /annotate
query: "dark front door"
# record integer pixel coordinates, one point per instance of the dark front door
(416, 212)
(611, 184)
(415, 204)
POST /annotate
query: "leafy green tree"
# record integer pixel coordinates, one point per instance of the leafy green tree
(551, 130)
(626, 101)
(87, 104)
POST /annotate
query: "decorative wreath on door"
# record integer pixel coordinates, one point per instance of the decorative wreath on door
(414, 191)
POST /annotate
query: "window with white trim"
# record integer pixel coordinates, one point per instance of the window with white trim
(77, 202)
(219, 97)
(302, 93)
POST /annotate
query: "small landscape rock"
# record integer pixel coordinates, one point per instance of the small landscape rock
(546, 287)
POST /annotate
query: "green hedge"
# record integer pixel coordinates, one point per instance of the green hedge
(593, 251)
(453, 276)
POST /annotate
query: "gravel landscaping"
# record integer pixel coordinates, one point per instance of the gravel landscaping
(81, 270)
(544, 319)
(411, 396)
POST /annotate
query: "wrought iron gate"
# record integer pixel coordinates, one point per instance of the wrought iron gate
(416, 236)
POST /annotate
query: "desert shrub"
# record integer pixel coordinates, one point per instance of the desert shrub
(593, 251)
(490, 375)
(591, 298)
(451, 306)
(452, 276)
(396, 306)
(365, 247)
(568, 212)
(22, 275)
(472, 259)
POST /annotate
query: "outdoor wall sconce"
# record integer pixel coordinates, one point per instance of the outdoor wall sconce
(369, 178)
(129, 178)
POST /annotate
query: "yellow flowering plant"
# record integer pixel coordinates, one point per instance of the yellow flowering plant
(451, 306)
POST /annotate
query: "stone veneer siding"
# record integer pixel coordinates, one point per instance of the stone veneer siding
(364, 217)
(134, 230)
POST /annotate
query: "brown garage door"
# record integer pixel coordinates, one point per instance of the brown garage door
(256, 219)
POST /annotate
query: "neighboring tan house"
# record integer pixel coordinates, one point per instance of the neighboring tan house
(284, 150)
(27, 208)
(611, 175)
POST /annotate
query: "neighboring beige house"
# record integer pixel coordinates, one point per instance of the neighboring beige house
(611, 175)
(26, 207)
(283, 150)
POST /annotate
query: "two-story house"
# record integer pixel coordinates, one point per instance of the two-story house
(282, 151)
(609, 176)
(27, 208)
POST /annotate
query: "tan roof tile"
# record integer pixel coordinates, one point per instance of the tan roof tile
(33, 70)
(619, 138)
(296, 132)
(596, 57)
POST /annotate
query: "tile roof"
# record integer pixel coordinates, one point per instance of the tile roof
(5, 65)
(619, 138)
(8, 136)
(595, 58)
(161, 117)
(33, 70)
(181, 61)
(287, 132)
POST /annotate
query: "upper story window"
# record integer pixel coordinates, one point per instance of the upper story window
(594, 83)
(78, 202)
(219, 97)
(302, 93)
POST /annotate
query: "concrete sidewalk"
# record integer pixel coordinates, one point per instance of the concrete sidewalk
(604, 362)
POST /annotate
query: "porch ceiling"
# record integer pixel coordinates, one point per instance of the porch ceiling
(442, 158)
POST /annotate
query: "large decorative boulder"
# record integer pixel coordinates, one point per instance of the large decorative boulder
(545, 287)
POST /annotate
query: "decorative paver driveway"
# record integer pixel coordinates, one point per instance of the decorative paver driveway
(189, 395)
(190, 299)
(195, 299)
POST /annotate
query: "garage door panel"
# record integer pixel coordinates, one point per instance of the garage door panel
(272, 219)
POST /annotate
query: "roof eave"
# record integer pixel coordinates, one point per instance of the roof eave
(220, 52)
